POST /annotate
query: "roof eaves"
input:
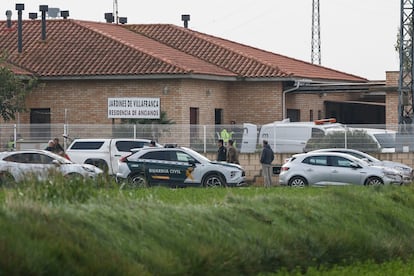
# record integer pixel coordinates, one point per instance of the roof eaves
(142, 77)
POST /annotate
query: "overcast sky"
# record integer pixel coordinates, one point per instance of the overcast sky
(357, 36)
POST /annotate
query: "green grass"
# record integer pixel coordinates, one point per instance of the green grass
(84, 228)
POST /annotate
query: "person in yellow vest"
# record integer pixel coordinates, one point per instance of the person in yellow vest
(225, 136)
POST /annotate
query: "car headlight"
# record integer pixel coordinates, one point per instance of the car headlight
(403, 170)
(391, 172)
(234, 173)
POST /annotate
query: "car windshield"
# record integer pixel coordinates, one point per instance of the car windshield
(386, 140)
(197, 156)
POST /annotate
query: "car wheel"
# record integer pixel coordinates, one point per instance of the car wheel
(374, 181)
(213, 180)
(6, 179)
(136, 181)
(73, 176)
(298, 182)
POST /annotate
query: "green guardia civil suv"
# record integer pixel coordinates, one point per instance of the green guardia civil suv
(176, 167)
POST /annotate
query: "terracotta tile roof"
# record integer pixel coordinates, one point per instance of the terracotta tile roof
(241, 59)
(76, 48)
(79, 48)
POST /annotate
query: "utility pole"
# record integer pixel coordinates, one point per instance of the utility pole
(115, 10)
(316, 34)
(405, 83)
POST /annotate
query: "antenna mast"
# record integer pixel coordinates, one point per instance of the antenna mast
(405, 82)
(316, 34)
(115, 9)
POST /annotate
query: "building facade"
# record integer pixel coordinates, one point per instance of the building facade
(198, 78)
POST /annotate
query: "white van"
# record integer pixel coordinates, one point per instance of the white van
(291, 137)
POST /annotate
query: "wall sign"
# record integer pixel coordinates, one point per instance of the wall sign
(134, 108)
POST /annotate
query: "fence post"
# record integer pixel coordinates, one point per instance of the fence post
(65, 134)
(14, 137)
(346, 137)
(205, 138)
(135, 131)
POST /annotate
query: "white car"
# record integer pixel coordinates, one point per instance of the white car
(176, 167)
(331, 168)
(16, 165)
(103, 152)
(406, 171)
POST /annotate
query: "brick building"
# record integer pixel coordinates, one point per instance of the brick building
(198, 78)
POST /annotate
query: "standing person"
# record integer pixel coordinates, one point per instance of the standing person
(225, 136)
(222, 151)
(58, 147)
(50, 146)
(232, 154)
(266, 159)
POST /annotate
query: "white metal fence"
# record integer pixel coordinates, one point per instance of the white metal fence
(202, 138)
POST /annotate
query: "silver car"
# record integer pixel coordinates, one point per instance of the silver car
(405, 171)
(16, 165)
(331, 168)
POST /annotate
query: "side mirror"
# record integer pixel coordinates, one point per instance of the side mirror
(192, 163)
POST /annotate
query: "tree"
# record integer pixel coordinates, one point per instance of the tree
(13, 91)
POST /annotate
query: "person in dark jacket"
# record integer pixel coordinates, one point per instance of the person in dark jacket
(266, 159)
(232, 154)
(222, 151)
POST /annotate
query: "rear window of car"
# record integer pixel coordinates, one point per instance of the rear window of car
(128, 145)
(157, 155)
(89, 145)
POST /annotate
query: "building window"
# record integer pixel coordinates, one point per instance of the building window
(311, 115)
(319, 114)
(293, 115)
(218, 116)
(40, 124)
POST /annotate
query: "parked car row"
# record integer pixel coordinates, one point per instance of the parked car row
(139, 164)
(134, 163)
(341, 167)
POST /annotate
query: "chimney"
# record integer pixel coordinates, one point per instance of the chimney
(19, 8)
(109, 17)
(185, 18)
(64, 14)
(9, 15)
(123, 20)
(33, 15)
(43, 9)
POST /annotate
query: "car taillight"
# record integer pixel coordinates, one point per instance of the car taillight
(124, 158)
(67, 157)
(284, 169)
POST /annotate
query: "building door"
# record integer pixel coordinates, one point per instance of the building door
(218, 120)
(40, 124)
(194, 113)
